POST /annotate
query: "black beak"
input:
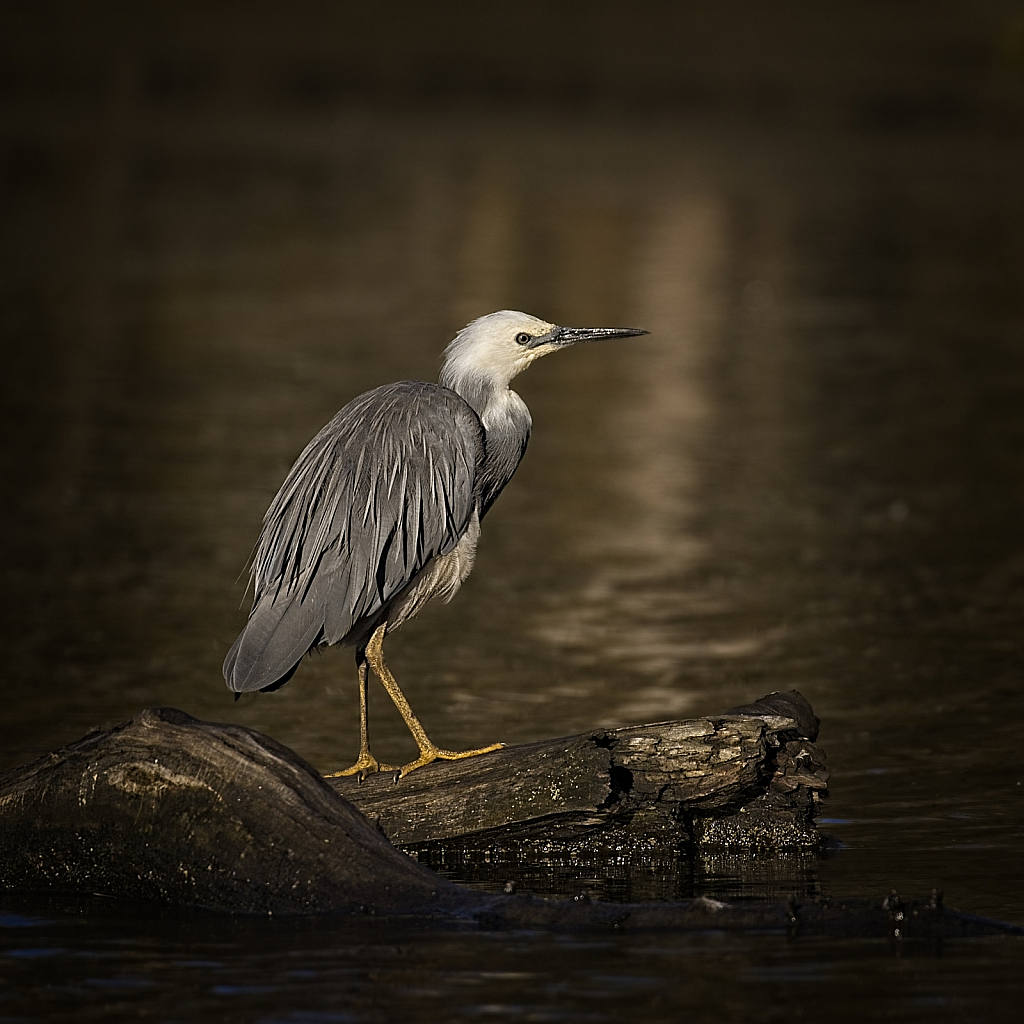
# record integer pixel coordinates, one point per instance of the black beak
(565, 336)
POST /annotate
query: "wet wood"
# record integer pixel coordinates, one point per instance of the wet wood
(171, 809)
(751, 777)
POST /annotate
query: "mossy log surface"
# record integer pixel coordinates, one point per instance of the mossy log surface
(752, 777)
(180, 811)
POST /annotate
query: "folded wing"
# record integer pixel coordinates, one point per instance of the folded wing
(388, 484)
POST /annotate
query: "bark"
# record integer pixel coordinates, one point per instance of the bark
(169, 808)
(172, 809)
(750, 778)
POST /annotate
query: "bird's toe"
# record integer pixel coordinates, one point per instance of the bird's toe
(433, 753)
(366, 765)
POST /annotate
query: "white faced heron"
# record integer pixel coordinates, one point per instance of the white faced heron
(382, 512)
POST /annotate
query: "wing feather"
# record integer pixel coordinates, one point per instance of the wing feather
(388, 484)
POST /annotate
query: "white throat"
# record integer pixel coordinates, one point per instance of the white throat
(484, 357)
(505, 411)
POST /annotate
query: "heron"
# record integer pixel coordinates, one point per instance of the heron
(381, 513)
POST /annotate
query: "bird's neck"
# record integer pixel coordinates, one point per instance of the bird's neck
(500, 409)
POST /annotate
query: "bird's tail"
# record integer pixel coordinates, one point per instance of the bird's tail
(273, 643)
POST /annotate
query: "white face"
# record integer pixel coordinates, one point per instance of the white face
(497, 346)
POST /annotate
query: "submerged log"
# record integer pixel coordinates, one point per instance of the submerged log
(169, 808)
(751, 778)
(172, 809)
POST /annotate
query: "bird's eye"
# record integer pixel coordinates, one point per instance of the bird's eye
(523, 338)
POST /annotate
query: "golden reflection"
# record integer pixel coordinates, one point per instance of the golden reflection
(637, 608)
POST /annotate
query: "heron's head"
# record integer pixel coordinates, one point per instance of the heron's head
(495, 348)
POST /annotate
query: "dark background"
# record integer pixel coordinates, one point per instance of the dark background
(220, 222)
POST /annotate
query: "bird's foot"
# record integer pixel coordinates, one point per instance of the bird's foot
(432, 753)
(366, 765)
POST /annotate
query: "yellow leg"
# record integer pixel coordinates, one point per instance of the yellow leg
(366, 763)
(428, 752)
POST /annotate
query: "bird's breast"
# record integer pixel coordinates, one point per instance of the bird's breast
(440, 578)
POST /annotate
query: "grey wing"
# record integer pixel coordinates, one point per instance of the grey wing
(388, 484)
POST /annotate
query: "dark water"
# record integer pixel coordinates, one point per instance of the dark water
(809, 475)
(96, 966)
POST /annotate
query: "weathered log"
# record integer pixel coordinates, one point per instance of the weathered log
(750, 778)
(172, 809)
(169, 808)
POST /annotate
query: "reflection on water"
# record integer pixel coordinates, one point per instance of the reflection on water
(627, 614)
(807, 476)
(204, 968)
(803, 477)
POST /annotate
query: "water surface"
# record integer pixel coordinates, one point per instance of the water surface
(807, 476)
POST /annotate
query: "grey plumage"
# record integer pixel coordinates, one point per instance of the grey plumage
(390, 483)
(382, 510)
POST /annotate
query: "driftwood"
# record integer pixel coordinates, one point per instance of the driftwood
(172, 809)
(751, 778)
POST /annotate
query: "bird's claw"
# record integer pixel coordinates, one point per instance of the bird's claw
(366, 765)
(432, 753)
